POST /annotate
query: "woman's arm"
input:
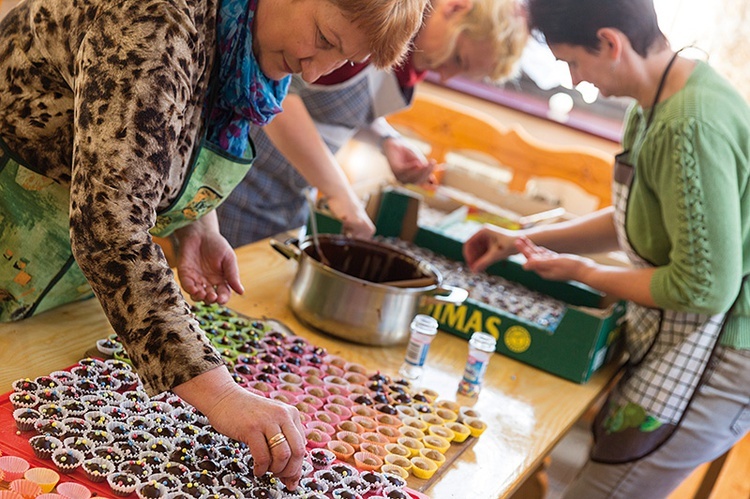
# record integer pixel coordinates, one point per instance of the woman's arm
(591, 233)
(294, 134)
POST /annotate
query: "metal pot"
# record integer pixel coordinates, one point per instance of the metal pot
(351, 298)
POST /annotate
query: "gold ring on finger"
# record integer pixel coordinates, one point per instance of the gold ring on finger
(275, 440)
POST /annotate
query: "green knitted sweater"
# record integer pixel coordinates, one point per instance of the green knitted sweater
(689, 207)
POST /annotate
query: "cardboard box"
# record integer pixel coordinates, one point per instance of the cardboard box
(586, 337)
(481, 198)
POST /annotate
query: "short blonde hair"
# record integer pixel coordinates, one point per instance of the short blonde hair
(502, 21)
(389, 24)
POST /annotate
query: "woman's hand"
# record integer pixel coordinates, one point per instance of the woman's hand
(551, 265)
(407, 163)
(206, 263)
(350, 210)
(252, 419)
(488, 246)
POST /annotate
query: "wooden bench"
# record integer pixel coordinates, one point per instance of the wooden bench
(447, 127)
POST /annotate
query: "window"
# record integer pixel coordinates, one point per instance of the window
(543, 87)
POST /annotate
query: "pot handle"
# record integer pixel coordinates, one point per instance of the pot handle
(288, 248)
(455, 294)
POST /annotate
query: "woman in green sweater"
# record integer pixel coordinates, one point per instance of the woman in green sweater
(682, 214)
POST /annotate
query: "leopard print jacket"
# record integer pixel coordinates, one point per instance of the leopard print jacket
(107, 96)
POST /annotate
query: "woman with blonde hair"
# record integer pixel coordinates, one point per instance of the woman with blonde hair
(473, 38)
(123, 120)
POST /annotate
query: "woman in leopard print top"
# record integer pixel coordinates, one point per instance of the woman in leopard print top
(104, 99)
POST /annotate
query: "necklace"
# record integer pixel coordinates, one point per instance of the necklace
(659, 89)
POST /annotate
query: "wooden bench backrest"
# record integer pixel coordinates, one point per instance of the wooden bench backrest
(448, 127)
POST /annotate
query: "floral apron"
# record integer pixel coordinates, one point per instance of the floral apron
(669, 354)
(37, 268)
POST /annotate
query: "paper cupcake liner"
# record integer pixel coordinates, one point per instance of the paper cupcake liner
(229, 492)
(373, 479)
(350, 426)
(170, 482)
(122, 484)
(97, 419)
(400, 461)
(433, 455)
(107, 346)
(44, 477)
(442, 431)
(344, 470)
(108, 453)
(355, 378)
(391, 433)
(411, 432)
(27, 488)
(283, 396)
(388, 420)
(341, 491)
(406, 411)
(13, 467)
(460, 431)
(326, 417)
(467, 412)
(372, 448)
(23, 399)
(476, 426)
(352, 438)
(38, 442)
(431, 419)
(294, 389)
(308, 486)
(394, 480)
(398, 449)
(333, 370)
(341, 411)
(73, 490)
(356, 485)
(24, 384)
(320, 425)
(327, 478)
(26, 418)
(10, 494)
(367, 461)
(97, 469)
(51, 427)
(67, 460)
(316, 438)
(435, 442)
(290, 378)
(76, 408)
(394, 492)
(75, 426)
(376, 438)
(366, 422)
(151, 490)
(342, 450)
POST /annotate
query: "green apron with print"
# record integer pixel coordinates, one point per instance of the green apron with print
(37, 268)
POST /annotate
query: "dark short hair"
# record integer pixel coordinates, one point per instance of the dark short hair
(576, 22)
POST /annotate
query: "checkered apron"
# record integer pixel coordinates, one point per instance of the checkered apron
(669, 352)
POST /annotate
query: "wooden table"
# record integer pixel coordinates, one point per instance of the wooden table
(528, 411)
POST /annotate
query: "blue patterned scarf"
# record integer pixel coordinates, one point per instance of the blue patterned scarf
(245, 94)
